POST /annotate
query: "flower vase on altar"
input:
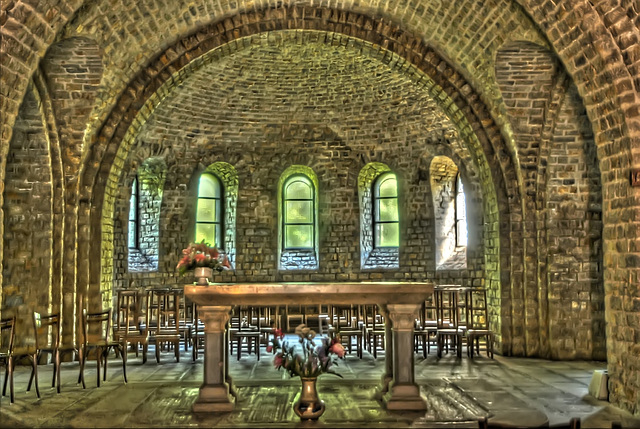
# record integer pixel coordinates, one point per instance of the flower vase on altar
(309, 406)
(203, 274)
(203, 259)
(307, 358)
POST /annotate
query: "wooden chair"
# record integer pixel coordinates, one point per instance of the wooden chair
(185, 319)
(448, 333)
(196, 335)
(132, 321)
(96, 337)
(164, 320)
(426, 327)
(478, 322)
(47, 340)
(245, 330)
(294, 316)
(269, 322)
(7, 336)
(348, 326)
(374, 329)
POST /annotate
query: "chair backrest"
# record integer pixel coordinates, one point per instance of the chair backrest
(446, 306)
(477, 315)
(129, 310)
(44, 336)
(346, 316)
(96, 327)
(164, 310)
(7, 335)
(372, 317)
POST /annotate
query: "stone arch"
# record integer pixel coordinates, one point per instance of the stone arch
(536, 92)
(608, 28)
(459, 100)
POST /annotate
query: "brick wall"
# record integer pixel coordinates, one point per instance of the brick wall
(596, 42)
(297, 106)
(27, 221)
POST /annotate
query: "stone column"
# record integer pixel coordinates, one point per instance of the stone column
(387, 376)
(214, 392)
(403, 392)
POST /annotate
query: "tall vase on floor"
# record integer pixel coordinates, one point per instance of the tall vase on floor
(203, 274)
(309, 406)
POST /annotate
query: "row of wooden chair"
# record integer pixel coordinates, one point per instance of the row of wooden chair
(46, 331)
(452, 317)
(141, 317)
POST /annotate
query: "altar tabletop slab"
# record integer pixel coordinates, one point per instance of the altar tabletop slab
(309, 293)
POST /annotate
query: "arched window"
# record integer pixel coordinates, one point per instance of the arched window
(449, 213)
(461, 214)
(134, 215)
(385, 219)
(298, 207)
(209, 212)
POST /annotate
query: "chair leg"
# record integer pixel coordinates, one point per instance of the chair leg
(33, 371)
(10, 365)
(98, 361)
(35, 359)
(6, 379)
(105, 355)
(123, 351)
(176, 347)
(83, 357)
(56, 369)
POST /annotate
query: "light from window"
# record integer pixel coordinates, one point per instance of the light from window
(461, 214)
(385, 220)
(133, 240)
(299, 212)
(209, 211)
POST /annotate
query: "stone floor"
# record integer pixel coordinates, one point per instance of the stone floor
(516, 391)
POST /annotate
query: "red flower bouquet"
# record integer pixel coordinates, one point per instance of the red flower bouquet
(202, 255)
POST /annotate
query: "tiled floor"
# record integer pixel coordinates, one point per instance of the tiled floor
(523, 392)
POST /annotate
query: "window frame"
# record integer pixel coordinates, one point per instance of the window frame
(458, 219)
(307, 180)
(135, 221)
(218, 221)
(376, 210)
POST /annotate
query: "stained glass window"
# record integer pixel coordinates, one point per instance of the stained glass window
(299, 213)
(461, 214)
(133, 239)
(385, 221)
(209, 214)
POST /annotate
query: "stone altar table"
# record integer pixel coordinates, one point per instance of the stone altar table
(400, 303)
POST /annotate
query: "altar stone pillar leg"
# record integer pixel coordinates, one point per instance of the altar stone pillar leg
(214, 392)
(404, 393)
(387, 376)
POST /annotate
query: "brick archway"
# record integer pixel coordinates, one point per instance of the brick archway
(387, 42)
